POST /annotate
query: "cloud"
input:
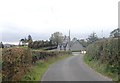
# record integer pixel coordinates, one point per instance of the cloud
(41, 18)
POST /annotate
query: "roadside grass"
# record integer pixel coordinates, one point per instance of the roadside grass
(39, 68)
(101, 68)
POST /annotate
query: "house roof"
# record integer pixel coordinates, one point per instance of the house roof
(72, 43)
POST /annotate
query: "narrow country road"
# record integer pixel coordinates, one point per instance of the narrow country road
(72, 69)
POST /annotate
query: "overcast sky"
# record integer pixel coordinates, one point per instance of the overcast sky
(41, 18)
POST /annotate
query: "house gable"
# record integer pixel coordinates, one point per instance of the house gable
(76, 46)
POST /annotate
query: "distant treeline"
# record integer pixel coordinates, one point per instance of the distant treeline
(41, 44)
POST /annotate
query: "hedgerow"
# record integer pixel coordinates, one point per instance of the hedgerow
(17, 61)
(38, 55)
(106, 52)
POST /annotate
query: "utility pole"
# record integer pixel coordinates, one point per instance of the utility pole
(102, 33)
(69, 41)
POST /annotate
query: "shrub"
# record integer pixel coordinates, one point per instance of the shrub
(16, 62)
(38, 55)
(106, 52)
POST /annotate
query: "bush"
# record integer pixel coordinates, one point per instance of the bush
(16, 61)
(38, 55)
(106, 52)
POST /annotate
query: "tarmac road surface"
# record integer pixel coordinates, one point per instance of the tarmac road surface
(72, 69)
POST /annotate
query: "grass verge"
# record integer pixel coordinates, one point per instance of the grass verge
(101, 68)
(39, 68)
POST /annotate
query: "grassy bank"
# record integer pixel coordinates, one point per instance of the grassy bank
(101, 68)
(39, 68)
